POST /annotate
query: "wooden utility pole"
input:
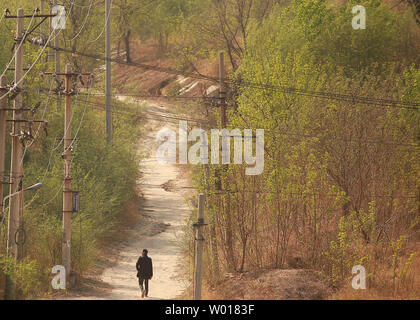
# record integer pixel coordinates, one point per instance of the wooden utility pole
(3, 105)
(198, 272)
(108, 85)
(67, 193)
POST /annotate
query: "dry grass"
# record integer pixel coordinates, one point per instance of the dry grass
(384, 286)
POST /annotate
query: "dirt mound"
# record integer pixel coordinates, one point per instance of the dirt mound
(130, 79)
(293, 284)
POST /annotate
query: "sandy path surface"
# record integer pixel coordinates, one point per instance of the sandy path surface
(164, 215)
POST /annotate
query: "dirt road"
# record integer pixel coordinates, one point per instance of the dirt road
(164, 215)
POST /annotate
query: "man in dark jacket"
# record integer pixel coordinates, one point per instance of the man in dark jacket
(144, 272)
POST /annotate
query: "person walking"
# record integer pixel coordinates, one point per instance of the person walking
(144, 272)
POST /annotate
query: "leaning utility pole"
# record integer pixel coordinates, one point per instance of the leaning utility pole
(67, 193)
(3, 105)
(108, 88)
(198, 272)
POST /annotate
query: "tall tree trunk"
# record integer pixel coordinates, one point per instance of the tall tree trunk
(127, 46)
(229, 236)
(214, 249)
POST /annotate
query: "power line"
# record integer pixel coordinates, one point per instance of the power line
(39, 126)
(291, 90)
(130, 114)
(36, 60)
(133, 64)
(2, 16)
(71, 119)
(304, 194)
(42, 51)
(84, 23)
(127, 111)
(332, 96)
(139, 95)
(103, 29)
(53, 148)
(49, 163)
(80, 123)
(87, 5)
(67, 16)
(20, 44)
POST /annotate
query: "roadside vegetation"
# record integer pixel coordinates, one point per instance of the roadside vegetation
(340, 186)
(341, 183)
(104, 175)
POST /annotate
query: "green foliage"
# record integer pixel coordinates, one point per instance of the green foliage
(397, 247)
(354, 233)
(156, 19)
(340, 177)
(105, 176)
(407, 266)
(25, 274)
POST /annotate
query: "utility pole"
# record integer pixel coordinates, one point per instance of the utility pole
(15, 221)
(16, 232)
(67, 193)
(67, 158)
(16, 171)
(198, 272)
(108, 88)
(3, 105)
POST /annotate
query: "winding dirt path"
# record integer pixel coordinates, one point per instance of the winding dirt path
(163, 216)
